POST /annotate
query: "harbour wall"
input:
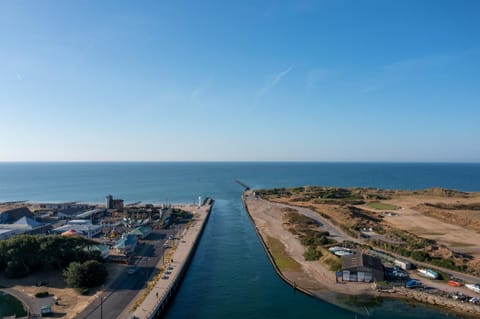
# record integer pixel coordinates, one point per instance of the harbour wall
(156, 302)
(269, 254)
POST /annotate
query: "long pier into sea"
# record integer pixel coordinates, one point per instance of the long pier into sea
(155, 303)
(245, 186)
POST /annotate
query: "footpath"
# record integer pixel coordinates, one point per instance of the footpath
(173, 270)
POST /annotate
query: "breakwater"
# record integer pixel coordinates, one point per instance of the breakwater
(245, 186)
(157, 300)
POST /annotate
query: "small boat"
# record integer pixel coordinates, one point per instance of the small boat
(341, 251)
(429, 273)
(474, 287)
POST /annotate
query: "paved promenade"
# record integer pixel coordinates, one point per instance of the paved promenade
(173, 269)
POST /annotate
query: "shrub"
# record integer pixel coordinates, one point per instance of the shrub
(312, 254)
(42, 294)
(420, 255)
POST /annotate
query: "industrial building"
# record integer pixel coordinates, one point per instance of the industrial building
(362, 267)
(111, 203)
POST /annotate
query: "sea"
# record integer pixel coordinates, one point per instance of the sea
(230, 275)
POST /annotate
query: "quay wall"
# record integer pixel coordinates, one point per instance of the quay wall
(269, 254)
(157, 301)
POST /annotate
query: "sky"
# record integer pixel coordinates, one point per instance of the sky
(372, 80)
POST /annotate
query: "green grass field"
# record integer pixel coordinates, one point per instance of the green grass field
(382, 206)
(283, 261)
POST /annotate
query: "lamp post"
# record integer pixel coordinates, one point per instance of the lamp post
(146, 271)
(101, 307)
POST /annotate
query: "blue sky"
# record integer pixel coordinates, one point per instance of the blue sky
(240, 80)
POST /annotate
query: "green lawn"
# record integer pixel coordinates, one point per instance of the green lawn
(282, 259)
(382, 206)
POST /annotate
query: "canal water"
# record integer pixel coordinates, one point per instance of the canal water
(230, 275)
(10, 306)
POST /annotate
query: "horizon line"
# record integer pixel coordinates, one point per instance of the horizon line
(239, 161)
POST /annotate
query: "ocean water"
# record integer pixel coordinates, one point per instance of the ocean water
(230, 275)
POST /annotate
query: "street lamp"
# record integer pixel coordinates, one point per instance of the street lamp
(101, 307)
(146, 271)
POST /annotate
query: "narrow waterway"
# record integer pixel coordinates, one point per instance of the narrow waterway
(230, 275)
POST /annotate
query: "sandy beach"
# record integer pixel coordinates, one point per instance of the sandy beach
(316, 280)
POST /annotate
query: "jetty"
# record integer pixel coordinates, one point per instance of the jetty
(245, 186)
(155, 303)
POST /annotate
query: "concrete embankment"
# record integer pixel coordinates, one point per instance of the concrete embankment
(269, 254)
(157, 300)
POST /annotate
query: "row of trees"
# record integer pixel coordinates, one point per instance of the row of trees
(24, 254)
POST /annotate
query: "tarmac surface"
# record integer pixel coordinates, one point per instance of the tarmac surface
(184, 249)
(122, 291)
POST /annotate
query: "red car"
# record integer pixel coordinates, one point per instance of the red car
(455, 283)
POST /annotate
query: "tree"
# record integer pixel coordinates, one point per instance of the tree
(87, 275)
(95, 273)
(75, 275)
(24, 254)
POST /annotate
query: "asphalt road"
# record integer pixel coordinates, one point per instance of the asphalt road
(125, 287)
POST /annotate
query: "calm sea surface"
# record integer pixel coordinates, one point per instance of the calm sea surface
(230, 276)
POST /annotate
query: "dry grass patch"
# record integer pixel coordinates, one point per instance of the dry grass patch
(329, 261)
(283, 261)
(382, 206)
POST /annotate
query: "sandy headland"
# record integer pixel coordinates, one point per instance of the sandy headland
(298, 247)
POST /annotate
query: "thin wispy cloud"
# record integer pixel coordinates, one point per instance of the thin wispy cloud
(418, 63)
(402, 70)
(316, 76)
(201, 89)
(431, 61)
(276, 78)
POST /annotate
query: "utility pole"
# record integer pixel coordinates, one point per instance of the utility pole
(101, 307)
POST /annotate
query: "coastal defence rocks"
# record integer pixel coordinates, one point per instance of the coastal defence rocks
(463, 308)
